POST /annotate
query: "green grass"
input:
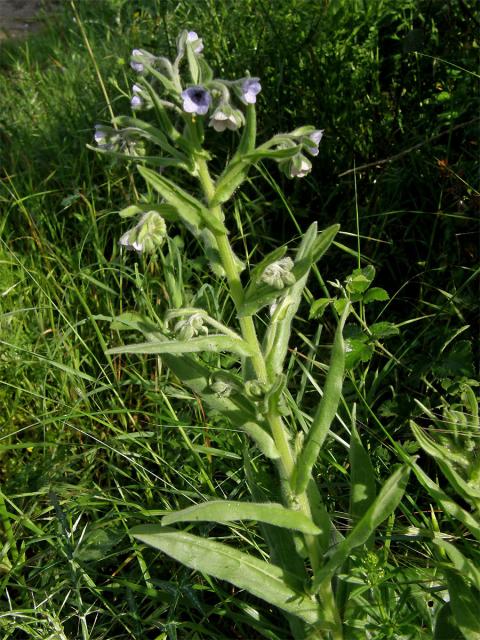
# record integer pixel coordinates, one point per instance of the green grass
(91, 445)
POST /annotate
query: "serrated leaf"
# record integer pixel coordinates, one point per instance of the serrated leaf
(360, 279)
(318, 307)
(263, 580)
(385, 503)
(375, 294)
(383, 330)
(357, 350)
(232, 511)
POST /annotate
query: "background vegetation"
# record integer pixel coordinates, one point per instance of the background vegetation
(90, 446)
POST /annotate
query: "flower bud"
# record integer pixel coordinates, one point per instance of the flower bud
(190, 327)
(140, 58)
(278, 274)
(226, 117)
(197, 43)
(147, 235)
(297, 167)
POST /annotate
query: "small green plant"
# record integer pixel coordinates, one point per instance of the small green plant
(308, 555)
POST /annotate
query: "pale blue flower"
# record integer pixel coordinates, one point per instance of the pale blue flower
(197, 100)
(315, 137)
(250, 88)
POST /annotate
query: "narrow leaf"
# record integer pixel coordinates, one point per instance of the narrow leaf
(447, 503)
(231, 511)
(189, 209)
(464, 601)
(216, 343)
(325, 413)
(385, 503)
(362, 477)
(266, 581)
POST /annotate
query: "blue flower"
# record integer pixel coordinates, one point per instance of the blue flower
(250, 88)
(197, 100)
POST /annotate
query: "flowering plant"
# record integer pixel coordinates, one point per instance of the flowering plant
(307, 552)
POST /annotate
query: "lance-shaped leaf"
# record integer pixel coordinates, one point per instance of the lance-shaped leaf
(215, 343)
(158, 161)
(468, 491)
(464, 601)
(151, 133)
(447, 503)
(195, 375)
(362, 478)
(232, 511)
(189, 208)
(236, 172)
(165, 210)
(311, 249)
(465, 567)
(385, 503)
(277, 337)
(325, 413)
(263, 580)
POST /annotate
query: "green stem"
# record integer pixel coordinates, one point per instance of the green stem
(286, 464)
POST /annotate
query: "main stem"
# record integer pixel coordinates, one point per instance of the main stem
(279, 432)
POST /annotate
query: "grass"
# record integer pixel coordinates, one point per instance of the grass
(91, 445)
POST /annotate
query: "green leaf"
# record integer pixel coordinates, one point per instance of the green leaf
(189, 209)
(456, 361)
(231, 511)
(325, 413)
(374, 294)
(233, 176)
(465, 567)
(442, 455)
(318, 307)
(263, 580)
(151, 133)
(445, 627)
(362, 477)
(196, 376)
(357, 350)
(447, 503)
(215, 343)
(360, 279)
(385, 503)
(464, 601)
(383, 330)
(273, 256)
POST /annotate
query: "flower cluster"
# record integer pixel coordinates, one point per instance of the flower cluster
(185, 96)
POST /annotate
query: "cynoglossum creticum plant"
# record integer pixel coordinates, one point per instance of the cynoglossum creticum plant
(306, 550)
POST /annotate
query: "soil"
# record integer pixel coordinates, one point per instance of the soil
(19, 17)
